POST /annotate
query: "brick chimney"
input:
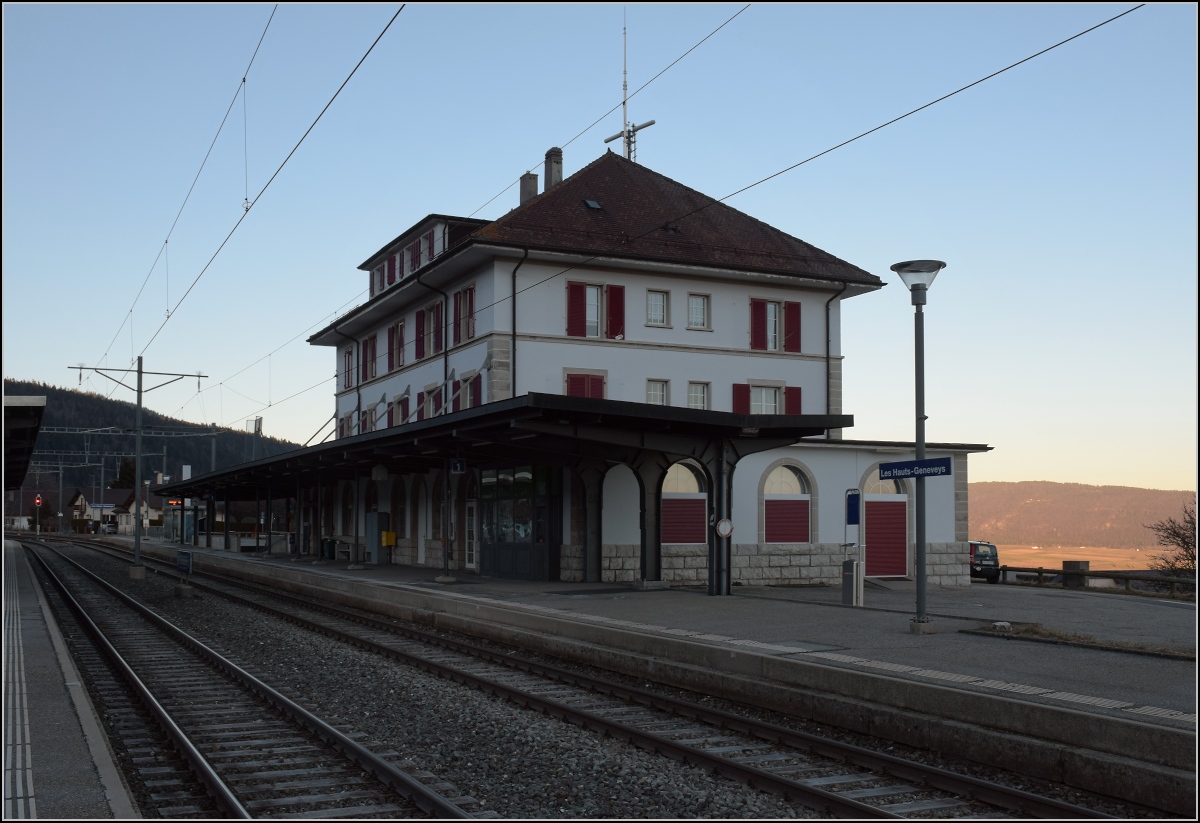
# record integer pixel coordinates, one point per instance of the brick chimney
(528, 187)
(553, 168)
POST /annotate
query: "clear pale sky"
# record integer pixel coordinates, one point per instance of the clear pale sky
(1062, 193)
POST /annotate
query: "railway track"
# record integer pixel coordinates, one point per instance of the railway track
(210, 739)
(832, 777)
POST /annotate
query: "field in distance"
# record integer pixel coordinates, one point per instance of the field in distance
(1102, 559)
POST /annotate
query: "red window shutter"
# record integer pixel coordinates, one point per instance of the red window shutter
(404, 411)
(391, 419)
(791, 400)
(758, 325)
(341, 428)
(362, 361)
(577, 385)
(437, 328)
(615, 321)
(595, 386)
(457, 314)
(457, 404)
(787, 521)
(374, 354)
(419, 340)
(477, 390)
(684, 521)
(400, 343)
(391, 270)
(420, 405)
(414, 255)
(391, 348)
(576, 309)
(437, 404)
(429, 244)
(741, 398)
(471, 313)
(791, 327)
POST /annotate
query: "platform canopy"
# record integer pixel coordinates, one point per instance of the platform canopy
(22, 422)
(540, 428)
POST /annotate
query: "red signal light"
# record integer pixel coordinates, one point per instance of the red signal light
(37, 501)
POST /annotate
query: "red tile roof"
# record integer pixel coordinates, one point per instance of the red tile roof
(647, 216)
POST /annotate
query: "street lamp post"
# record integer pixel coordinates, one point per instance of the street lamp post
(918, 276)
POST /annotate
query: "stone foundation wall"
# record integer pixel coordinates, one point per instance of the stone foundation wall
(948, 564)
(570, 563)
(620, 563)
(685, 564)
(787, 564)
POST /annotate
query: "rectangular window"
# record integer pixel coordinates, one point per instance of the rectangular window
(592, 316)
(764, 400)
(772, 326)
(414, 256)
(367, 367)
(391, 270)
(419, 337)
(476, 391)
(656, 308)
(428, 245)
(698, 311)
(764, 325)
(697, 395)
(348, 369)
(396, 346)
(585, 385)
(656, 392)
(464, 315)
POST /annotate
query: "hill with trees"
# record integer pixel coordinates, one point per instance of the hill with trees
(69, 408)
(1041, 513)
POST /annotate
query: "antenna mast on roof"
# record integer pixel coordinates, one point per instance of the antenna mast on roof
(630, 134)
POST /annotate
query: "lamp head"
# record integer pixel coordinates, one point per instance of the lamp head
(918, 276)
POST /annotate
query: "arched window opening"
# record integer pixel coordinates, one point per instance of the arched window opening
(684, 510)
(874, 485)
(786, 505)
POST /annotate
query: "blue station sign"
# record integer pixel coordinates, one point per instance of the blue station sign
(933, 467)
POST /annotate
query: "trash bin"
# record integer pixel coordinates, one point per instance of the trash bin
(328, 548)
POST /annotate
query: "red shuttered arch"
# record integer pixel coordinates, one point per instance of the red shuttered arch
(887, 538)
(684, 520)
(787, 521)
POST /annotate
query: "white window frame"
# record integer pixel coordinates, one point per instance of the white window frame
(774, 340)
(665, 385)
(757, 397)
(665, 322)
(589, 291)
(707, 298)
(706, 389)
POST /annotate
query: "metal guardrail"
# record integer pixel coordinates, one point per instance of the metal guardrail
(1071, 575)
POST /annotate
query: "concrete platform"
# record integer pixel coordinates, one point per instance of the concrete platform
(1107, 720)
(57, 764)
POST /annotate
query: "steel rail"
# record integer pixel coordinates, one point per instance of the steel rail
(220, 792)
(1013, 800)
(409, 787)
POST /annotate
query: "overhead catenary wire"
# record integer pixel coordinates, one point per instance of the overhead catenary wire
(273, 176)
(203, 163)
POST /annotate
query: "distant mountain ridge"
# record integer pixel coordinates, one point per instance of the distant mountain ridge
(1042, 513)
(68, 408)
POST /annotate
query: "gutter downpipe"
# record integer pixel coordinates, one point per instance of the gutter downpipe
(512, 355)
(828, 345)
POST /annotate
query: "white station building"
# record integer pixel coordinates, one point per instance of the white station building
(611, 376)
